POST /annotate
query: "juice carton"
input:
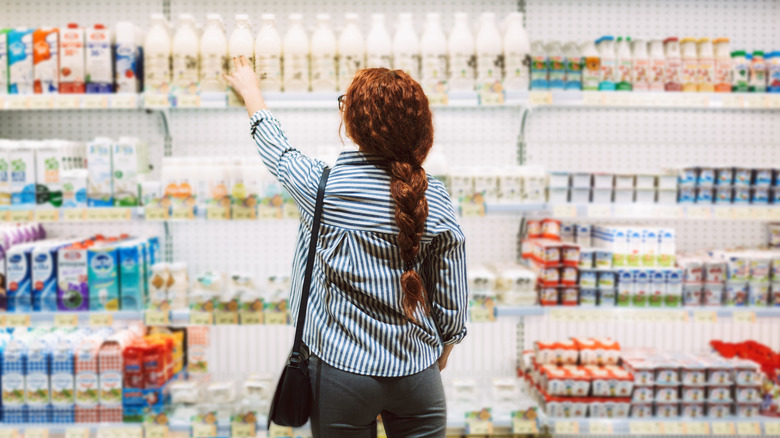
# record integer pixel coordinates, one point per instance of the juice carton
(46, 62)
(20, 61)
(129, 58)
(72, 275)
(99, 189)
(22, 178)
(44, 276)
(19, 278)
(72, 76)
(130, 159)
(74, 188)
(4, 61)
(86, 377)
(63, 398)
(103, 276)
(131, 275)
(48, 188)
(37, 384)
(99, 61)
(5, 188)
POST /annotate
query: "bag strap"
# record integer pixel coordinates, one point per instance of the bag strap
(295, 357)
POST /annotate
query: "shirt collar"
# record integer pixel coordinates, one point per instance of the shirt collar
(359, 158)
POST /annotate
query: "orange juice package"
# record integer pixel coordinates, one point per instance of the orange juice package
(46, 63)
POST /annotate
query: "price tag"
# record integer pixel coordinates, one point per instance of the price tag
(773, 101)
(36, 432)
(251, 318)
(748, 428)
(699, 212)
(17, 102)
(97, 214)
(101, 320)
(744, 316)
(74, 214)
(216, 213)
(672, 428)
(600, 428)
(152, 100)
(9, 433)
(476, 424)
(124, 101)
(183, 213)
(244, 213)
(76, 432)
(204, 430)
(66, 320)
(726, 213)
(155, 431)
(65, 101)
(758, 101)
(524, 427)
(705, 316)
(490, 98)
(275, 318)
(242, 430)
(157, 317)
(732, 101)
(774, 213)
(225, 318)
(567, 428)
(741, 213)
(201, 318)
(438, 99)
(14, 321)
(482, 314)
(47, 215)
(599, 211)
(41, 102)
(644, 428)
(668, 212)
(21, 215)
(772, 429)
(94, 101)
(616, 99)
(187, 101)
(470, 209)
(625, 211)
(276, 431)
(696, 100)
(107, 433)
(540, 98)
(564, 211)
(290, 211)
(119, 214)
(697, 428)
(723, 428)
(762, 213)
(591, 98)
(152, 213)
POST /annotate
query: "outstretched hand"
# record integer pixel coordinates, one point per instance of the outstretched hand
(244, 82)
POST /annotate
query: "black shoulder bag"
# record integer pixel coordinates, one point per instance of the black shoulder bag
(292, 401)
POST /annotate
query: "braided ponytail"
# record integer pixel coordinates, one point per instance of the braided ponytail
(387, 113)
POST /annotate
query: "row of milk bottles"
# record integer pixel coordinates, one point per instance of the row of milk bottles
(323, 63)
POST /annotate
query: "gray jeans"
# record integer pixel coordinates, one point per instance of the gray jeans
(346, 405)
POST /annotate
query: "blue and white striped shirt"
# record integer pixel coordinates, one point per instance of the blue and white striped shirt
(355, 320)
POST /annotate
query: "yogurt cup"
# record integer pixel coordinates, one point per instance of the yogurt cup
(736, 293)
(724, 176)
(587, 258)
(706, 176)
(588, 297)
(713, 294)
(692, 410)
(724, 194)
(588, 279)
(583, 236)
(759, 195)
(641, 410)
(692, 294)
(741, 195)
(607, 297)
(758, 294)
(743, 176)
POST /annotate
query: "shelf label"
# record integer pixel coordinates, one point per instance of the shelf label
(438, 99)
(244, 213)
(251, 318)
(119, 214)
(157, 317)
(479, 422)
(187, 101)
(616, 99)
(599, 211)
(600, 428)
(36, 432)
(13, 321)
(772, 428)
(9, 433)
(152, 100)
(217, 213)
(183, 213)
(16, 102)
(201, 318)
(482, 309)
(705, 316)
(540, 98)
(47, 215)
(66, 320)
(748, 428)
(697, 428)
(101, 320)
(64, 101)
(21, 215)
(564, 211)
(94, 101)
(644, 428)
(699, 212)
(74, 214)
(521, 426)
(155, 431)
(668, 212)
(672, 428)
(275, 317)
(471, 209)
(744, 316)
(490, 98)
(567, 428)
(242, 430)
(225, 318)
(723, 428)
(698, 100)
(276, 431)
(756, 101)
(152, 213)
(591, 98)
(774, 213)
(204, 430)
(124, 101)
(76, 432)
(97, 214)
(41, 102)
(726, 213)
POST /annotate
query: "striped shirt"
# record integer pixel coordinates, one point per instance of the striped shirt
(355, 319)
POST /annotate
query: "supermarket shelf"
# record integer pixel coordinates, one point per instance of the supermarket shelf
(70, 319)
(758, 426)
(666, 212)
(128, 430)
(659, 314)
(70, 102)
(654, 100)
(514, 208)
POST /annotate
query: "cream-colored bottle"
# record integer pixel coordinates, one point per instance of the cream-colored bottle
(489, 51)
(186, 53)
(433, 46)
(157, 56)
(462, 55)
(296, 57)
(352, 51)
(323, 56)
(379, 46)
(268, 55)
(213, 56)
(406, 47)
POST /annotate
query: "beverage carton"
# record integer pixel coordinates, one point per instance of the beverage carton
(20, 61)
(74, 188)
(72, 73)
(99, 61)
(99, 190)
(13, 374)
(4, 61)
(48, 159)
(37, 384)
(72, 276)
(103, 277)
(86, 366)
(19, 273)
(5, 188)
(128, 71)
(63, 397)
(46, 65)
(130, 160)
(132, 275)
(21, 160)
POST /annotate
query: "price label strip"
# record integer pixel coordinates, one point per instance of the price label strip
(64, 101)
(66, 320)
(567, 428)
(744, 316)
(124, 101)
(204, 430)
(276, 431)
(74, 214)
(672, 428)
(17, 321)
(77, 432)
(772, 428)
(723, 428)
(225, 317)
(21, 216)
(479, 422)
(217, 213)
(94, 101)
(101, 320)
(201, 318)
(157, 318)
(562, 211)
(644, 428)
(748, 428)
(697, 428)
(36, 432)
(600, 428)
(152, 213)
(155, 431)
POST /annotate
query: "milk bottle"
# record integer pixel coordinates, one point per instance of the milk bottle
(20, 61)
(556, 66)
(379, 47)
(406, 47)
(462, 55)
(45, 60)
(517, 50)
(624, 64)
(706, 66)
(640, 66)
(433, 45)
(690, 66)
(71, 68)
(489, 51)
(99, 61)
(213, 56)
(591, 72)
(157, 56)
(185, 56)
(323, 56)
(608, 63)
(268, 55)
(722, 77)
(241, 42)
(352, 51)
(657, 72)
(672, 80)
(128, 58)
(296, 57)
(571, 52)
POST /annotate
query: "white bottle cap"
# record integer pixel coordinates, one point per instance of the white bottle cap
(268, 17)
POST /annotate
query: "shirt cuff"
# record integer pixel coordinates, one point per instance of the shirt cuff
(259, 117)
(457, 338)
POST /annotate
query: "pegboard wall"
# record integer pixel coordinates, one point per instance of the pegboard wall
(56, 13)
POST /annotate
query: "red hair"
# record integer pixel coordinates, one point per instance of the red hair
(386, 112)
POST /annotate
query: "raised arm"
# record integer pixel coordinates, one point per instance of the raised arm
(244, 83)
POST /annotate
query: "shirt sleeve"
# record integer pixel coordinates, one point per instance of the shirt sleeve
(298, 174)
(444, 276)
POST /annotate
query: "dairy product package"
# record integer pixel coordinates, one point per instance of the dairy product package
(128, 53)
(20, 61)
(352, 52)
(21, 159)
(103, 277)
(130, 159)
(14, 356)
(44, 276)
(99, 189)
(132, 276)
(3, 61)
(154, 250)
(74, 188)
(110, 367)
(72, 73)
(72, 285)
(46, 44)
(63, 397)
(99, 61)
(37, 385)
(185, 56)
(5, 188)
(19, 278)
(48, 158)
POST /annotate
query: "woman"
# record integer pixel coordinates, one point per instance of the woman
(389, 290)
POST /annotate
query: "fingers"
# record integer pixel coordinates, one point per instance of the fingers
(236, 62)
(228, 78)
(244, 61)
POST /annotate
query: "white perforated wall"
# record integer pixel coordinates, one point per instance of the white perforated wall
(39, 13)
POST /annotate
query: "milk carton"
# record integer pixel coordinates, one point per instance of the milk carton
(72, 73)
(132, 275)
(666, 247)
(99, 61)
(128, 59)
(48, 158)
(13, 373)
(72, 285)
(37, 384)
(103, 277)
(154, 251)
(130, 159)
(63, 398)
(5, 189)
(74, 188)
(21, 160)
(20, 61)
(110, 376)
(19, 278)
(99, 189)
(44, 276)
(86, 380)
(4, 61)
(46, 65)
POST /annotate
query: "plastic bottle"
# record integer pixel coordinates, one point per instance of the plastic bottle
(672, 80)
(186, 53)
(574, 62)
(722, 77)
(591, 72)
(758, 72)
(433, 45)
(641, 66)
(773, 72)
(517, 50)
(624, 64)
(462, 55)
(690, 65)
(706, 72)
(157, 56)
(606, 45)
(213, 56)
(406, 47)
(323, 56)
(657, 73)
(241, 42)
(740, 69)
(352, 51)
(379, 46)
(127, 71)
(296, 57)
(489, 50)
(268, 55)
